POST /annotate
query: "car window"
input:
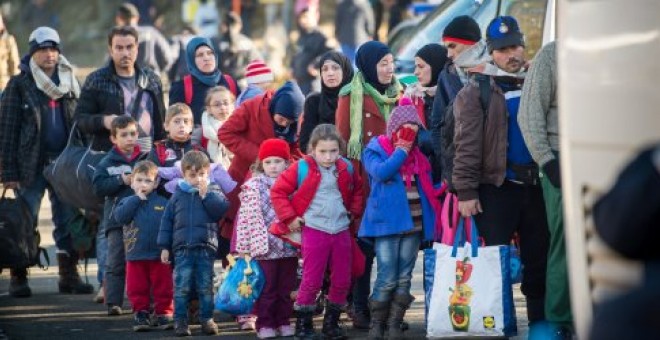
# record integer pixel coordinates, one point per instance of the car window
(431, 32)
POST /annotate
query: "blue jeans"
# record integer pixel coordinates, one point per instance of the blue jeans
(349, 51)
(62, 212)
(395, 258)
(193, 267)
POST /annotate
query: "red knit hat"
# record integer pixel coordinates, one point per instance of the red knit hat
(258, 72)
(274, 147)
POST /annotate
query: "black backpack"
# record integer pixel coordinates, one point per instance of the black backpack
(19, 237)
(447, 147)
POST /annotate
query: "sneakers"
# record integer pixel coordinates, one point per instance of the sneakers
(209, 327)
(266, 333)
(286, 331)
(100, 296)
(247, 322)
(164, 322)
(114, 310)
(141, 321)
(181, 328)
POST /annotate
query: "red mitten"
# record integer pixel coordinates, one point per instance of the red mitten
(406, 138)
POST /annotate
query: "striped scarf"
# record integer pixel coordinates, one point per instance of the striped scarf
(68, 82)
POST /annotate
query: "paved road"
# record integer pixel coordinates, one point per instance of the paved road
(48, 314)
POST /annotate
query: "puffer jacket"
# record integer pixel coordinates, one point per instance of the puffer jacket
(190, 221)
(141, 221)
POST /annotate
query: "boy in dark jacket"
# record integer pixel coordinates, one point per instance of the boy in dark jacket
(179, 126)
(112, 180)
(189, 230)
(140, 214)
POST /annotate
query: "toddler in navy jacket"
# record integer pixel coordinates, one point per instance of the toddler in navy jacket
(189, 230)
(140, 214)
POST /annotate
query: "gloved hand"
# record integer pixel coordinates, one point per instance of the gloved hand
(551, 169)
(405, 138)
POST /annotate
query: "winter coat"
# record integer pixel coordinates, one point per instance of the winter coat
(141, 221)
(255, 218)
(154, 51)
(481, 144)
(9, 59)
(387, 211)
(242, 133)
(108, 183)
(373, 124)
(23, 104)
(425, 140)
(177, 95)
(311, 45)
(190, 221)
(101, 96)
(291, 201)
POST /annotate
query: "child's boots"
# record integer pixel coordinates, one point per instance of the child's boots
(305, 323)
(331, 329)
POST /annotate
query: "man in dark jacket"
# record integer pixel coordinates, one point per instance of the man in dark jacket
(35, 121)
(494, 174)
(311, 45)
(112, 90)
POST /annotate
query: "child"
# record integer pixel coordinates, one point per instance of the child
(400, 178)
(219, 105)
(179, 126)
(278, 260)
(112, 180)
(140, 215)
(259, 78)
(189, 231)
(313, 208)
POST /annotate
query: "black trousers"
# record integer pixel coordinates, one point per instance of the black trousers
(518, 208)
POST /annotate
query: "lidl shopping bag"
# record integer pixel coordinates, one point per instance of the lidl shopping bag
(242, 286)
(469, 291)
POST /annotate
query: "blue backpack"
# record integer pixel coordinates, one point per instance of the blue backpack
(303, 169)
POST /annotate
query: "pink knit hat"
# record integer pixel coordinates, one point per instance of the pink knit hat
(258, 72)
(406, 112)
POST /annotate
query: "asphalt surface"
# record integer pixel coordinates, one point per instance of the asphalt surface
(48, 314)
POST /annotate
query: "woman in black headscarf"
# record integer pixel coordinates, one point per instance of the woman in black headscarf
(336, 71)
(429, 61)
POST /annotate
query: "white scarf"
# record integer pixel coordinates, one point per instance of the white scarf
(217, 151)
(68, 81)
(476, 55)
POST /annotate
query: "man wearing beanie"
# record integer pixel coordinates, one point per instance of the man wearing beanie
(465, 49)
(494, 174)
(268, 115)
(259, 78)
(37, 108)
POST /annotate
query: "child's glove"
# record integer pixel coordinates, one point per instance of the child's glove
(406, 138)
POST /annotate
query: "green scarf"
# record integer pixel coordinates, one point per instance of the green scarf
(385, 102)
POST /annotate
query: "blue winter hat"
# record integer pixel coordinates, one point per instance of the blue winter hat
(502, 32)
(288, 101)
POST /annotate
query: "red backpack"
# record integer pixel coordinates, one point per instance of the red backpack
(188, 87)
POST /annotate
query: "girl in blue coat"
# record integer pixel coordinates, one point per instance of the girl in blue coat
(401, 211)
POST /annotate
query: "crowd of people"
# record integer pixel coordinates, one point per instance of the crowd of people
(352, 173)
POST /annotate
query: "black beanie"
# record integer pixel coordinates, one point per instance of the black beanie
(436, 56)
(463, 29)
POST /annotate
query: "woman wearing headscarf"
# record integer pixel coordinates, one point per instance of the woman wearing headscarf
(336, 71)
(202, 61)
(363, 109)
(429, 61)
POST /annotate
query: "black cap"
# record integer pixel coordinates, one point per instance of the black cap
(463, 29)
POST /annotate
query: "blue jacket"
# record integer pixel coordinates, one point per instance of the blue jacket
(190, 221)
(141, 221)
(388, 211)
(108, 183)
